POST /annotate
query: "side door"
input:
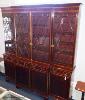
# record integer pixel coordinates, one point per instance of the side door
(22, 34)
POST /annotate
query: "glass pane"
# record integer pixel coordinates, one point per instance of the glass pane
(9, 33)
(22, 34)
(40, 35)
(64, 29)
(7, 30)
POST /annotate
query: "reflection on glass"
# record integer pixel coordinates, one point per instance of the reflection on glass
(7, 30)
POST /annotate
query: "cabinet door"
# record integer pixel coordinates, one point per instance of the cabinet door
(9, 32)
(20, 71)
(22, 34)
(39, 81)
(40, 35)
(10, 67)
(64, 29)
(59, 86)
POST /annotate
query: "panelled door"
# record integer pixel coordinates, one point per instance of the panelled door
(64, 36)
(22, 34)
(41, 30)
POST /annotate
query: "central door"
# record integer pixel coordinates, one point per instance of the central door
(41, 36)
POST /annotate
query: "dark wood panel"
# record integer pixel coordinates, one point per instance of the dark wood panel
(22, 80)
(60, 81)
(59, 86)
(10, 67)
(72, 7)
(23, 73)
(39, 82)
(39, 77)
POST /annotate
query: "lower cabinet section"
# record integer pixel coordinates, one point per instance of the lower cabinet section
(10, 69)
(60, 81)
(10, 74)
(39, 82)
(59, 86)
(23, 73)
(22, 76)
(39, 77)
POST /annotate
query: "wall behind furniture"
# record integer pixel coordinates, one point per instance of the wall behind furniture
(2, 45)
(2, 49)
(79, 72)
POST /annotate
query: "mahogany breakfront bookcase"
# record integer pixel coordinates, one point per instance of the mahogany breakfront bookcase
(40, 46)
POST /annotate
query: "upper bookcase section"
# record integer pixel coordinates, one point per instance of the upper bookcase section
(71, 7)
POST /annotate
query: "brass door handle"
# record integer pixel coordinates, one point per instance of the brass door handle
(30, 44)
(52, 45)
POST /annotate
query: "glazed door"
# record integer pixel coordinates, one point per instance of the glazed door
(41, 36)
(64, 36)
(22, 34)
(9, 32)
